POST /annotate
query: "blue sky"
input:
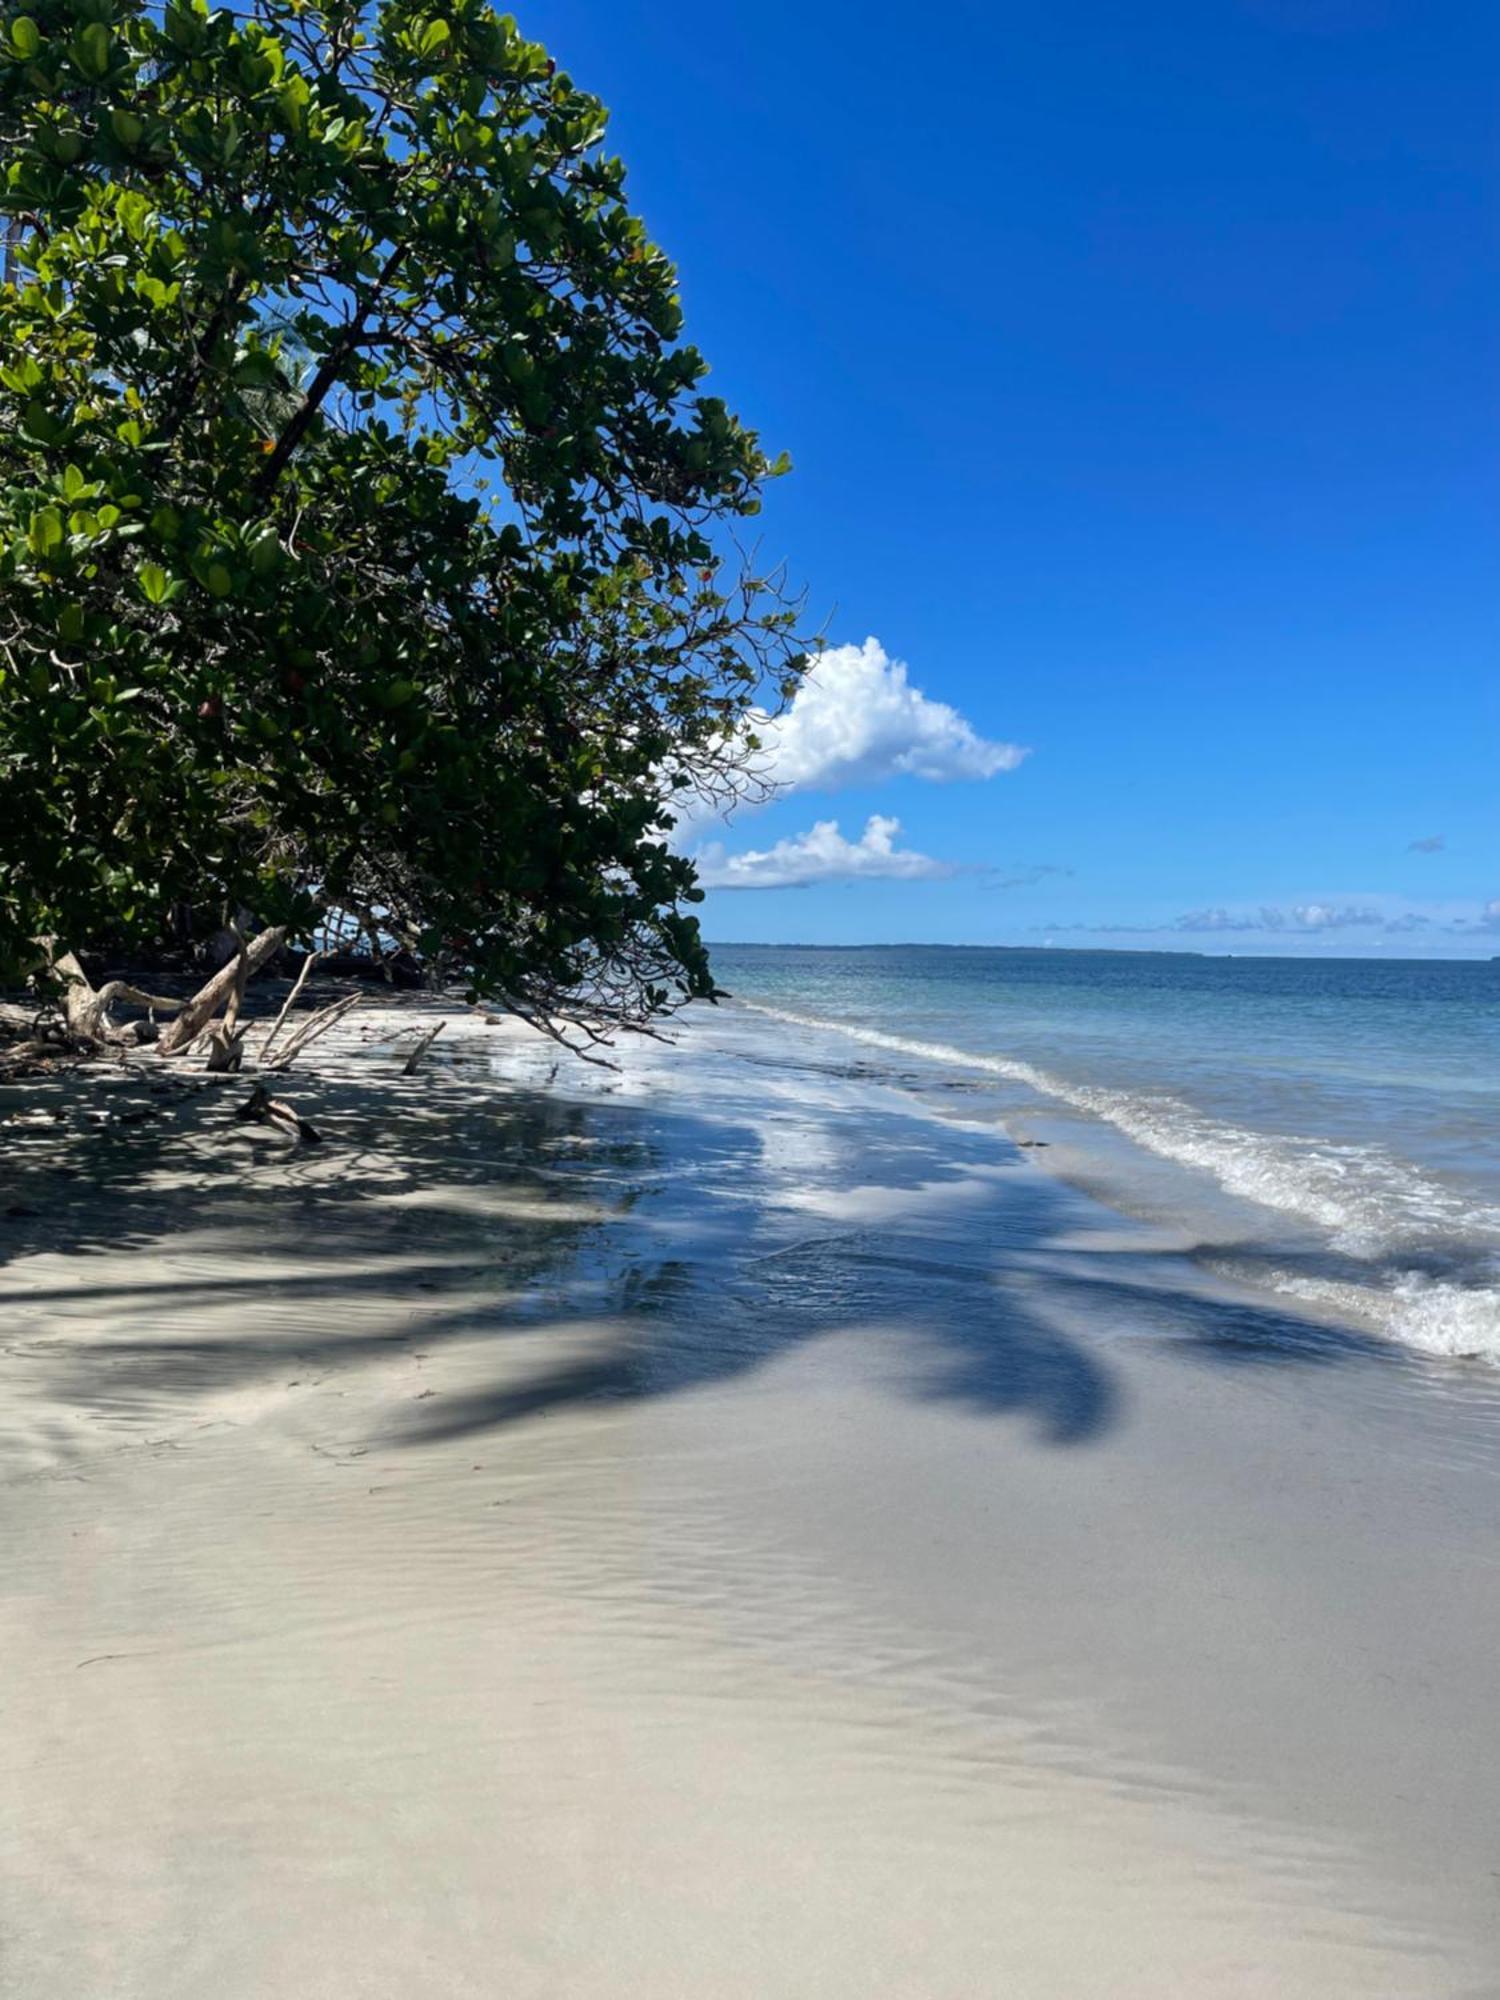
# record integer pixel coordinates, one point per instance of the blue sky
(1139, 364)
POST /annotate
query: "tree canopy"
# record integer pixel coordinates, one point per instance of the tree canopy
(363, 522)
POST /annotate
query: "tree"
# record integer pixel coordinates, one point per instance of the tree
(362, 520)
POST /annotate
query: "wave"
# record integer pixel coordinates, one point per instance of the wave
(1368, 1203)
(1455, 1321)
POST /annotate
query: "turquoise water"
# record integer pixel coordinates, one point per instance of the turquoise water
(1328, 1127)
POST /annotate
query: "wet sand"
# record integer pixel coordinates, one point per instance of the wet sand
(720, 1529)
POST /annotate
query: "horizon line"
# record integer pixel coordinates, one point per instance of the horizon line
(1109, 950)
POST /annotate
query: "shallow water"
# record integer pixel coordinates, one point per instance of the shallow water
(1331, 1127)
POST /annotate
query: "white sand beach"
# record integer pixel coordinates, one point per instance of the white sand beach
(706, 1531)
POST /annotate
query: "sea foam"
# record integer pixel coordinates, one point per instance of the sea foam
(1367, 1204)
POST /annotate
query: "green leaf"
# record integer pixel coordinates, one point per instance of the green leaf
(153, 581)
(39, 422)
(45, 532)
(265, 554)
(433, 37)
(21, 375)
(25, 37)
(91, 48)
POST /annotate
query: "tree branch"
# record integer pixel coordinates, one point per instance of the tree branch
(323, 381)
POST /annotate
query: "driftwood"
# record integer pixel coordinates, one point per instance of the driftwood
(288, 1004)
(195, 1015)
(261, 1108)
(408, 1068)
(226, 1038)
(86, 1010)
(315, 1025)
(85, 1027)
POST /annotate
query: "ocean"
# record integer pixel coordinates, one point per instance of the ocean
(1328, 1129)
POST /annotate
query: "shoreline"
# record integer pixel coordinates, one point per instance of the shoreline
(1308, 1223)
(707, 1529)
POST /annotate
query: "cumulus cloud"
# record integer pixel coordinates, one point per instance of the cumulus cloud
(1433, 844)
(822, 854)
(857, 720)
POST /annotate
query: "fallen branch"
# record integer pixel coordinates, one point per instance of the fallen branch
(288, 1004)
(87, 1011)
(226, 1042)
(317, 1024)
(261, 1108)
(408, 1068)
(195, 1014)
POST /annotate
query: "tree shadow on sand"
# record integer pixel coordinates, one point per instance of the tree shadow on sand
(443, 1210)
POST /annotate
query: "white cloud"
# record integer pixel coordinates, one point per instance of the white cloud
(856, 720)
(1215, 919)
(1433, 844)
(1301, 917)
(822, 854)
(1378, 917)
(1332, 917)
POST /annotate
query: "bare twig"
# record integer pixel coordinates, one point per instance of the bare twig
(288, 1004)
(317, 1024)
